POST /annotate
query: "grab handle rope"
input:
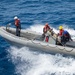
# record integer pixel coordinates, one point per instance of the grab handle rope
(69, 51)
(53, 47)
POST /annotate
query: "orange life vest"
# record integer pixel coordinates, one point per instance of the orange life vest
(17, 22)
(46, 28)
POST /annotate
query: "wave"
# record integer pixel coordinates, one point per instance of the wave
(30, 62)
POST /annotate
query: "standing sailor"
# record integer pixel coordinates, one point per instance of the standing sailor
(18, 25)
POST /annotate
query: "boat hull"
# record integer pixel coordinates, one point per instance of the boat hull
(35, 44)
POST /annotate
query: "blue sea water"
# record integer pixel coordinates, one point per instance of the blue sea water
(33, 15)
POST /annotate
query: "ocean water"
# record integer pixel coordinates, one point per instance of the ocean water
(33, 15)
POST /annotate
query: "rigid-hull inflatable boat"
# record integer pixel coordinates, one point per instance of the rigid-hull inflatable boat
(34, 40)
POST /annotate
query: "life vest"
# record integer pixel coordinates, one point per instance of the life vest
(17, 22)
(61, 32)
(46, 28)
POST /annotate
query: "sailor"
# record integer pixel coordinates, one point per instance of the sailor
(66, 36)
(63, 36)
(18, 25)
(59, 36)
(60, 30)
(46, 28)
(45, 32)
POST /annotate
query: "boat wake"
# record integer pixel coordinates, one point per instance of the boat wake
(28, 62)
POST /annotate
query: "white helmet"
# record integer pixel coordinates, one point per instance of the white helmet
(15, 17)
